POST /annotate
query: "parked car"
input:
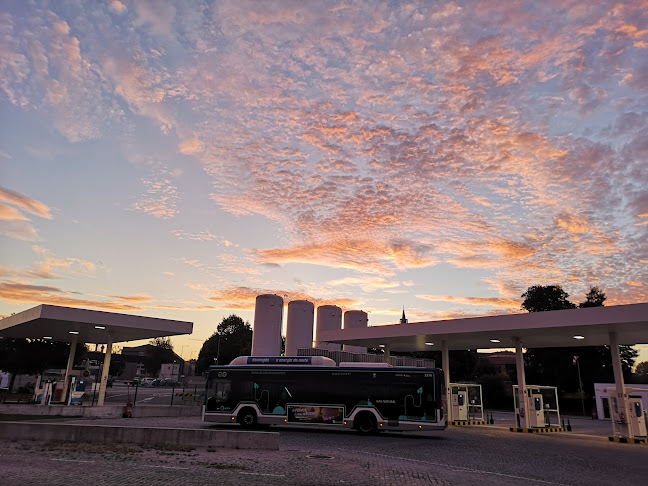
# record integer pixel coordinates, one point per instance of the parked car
(147, 381)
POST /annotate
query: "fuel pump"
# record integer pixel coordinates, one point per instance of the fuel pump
(460, 405)
(637, 417)
(536, 412)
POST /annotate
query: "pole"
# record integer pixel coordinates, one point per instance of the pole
(218, 348)
(445, 365)
(580, 385)
(522, 399)
(69, 367)
(94, 388)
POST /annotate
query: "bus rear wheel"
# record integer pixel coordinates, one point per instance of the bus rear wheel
(365, 423)
(247, 418)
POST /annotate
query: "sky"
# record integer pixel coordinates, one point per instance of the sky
(177, 159)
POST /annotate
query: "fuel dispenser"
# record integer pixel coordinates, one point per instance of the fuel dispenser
(44, 391)
(542, 403)
(635, 419)
(77, 391)
(637, 416)
(466, 402)
(459, 404)
(537, 412)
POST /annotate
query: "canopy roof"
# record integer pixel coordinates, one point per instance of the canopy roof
(536, 329)
(89, 326)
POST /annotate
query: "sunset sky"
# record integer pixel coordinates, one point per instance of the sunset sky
(176, 159)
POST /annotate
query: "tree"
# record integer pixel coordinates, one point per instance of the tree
(594, 298)
(555, 366)
(162, 352)
(33, 356)
(232, 338)
(162, 343)
(641, 373)
(539, 298)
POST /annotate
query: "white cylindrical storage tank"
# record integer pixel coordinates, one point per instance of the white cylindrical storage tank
(329, 318)
(299, 327)
(268, 315)
(354, 319)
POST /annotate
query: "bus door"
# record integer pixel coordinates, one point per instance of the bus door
(219, 392)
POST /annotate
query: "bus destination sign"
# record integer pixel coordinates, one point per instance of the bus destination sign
(293, 360)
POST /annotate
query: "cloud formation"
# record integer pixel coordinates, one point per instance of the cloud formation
(399, 142)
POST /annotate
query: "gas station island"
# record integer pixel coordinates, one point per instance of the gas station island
(594, 326)
(67, 324)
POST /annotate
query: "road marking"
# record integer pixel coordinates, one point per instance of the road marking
(68, 460)
(525, 478)
(166, 467)
(263, 474)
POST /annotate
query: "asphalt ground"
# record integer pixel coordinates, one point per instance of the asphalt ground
(479, 455)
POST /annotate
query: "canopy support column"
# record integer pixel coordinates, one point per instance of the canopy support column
(622, 428)
(445, 365)
(104, 373)
(68, 368)
(521, 382)
(387, 354)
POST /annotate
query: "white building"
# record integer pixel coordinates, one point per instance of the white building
(170, 371)
(601, 396)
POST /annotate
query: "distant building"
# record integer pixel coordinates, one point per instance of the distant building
(170, 371)
(502, 361)
(136, 360)
(602, 401)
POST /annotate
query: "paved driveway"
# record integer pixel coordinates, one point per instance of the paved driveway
(480, 456)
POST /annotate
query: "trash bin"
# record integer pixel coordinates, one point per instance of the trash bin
(127, 411)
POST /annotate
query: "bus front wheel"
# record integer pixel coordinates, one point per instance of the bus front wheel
(247, 418)
(365, 423)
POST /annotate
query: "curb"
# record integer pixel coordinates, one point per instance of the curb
(538, 431)
(468, 422)
(110, 434)
(624, 440)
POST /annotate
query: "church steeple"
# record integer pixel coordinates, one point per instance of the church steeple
(403, 319)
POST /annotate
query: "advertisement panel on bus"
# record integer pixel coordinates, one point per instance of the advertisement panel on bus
(313, 414)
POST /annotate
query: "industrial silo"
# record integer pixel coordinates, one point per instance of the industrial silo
(354, 319)
(299, 327)
(268, 315)
(329, 318)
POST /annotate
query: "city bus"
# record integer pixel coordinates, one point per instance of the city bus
(367, 397)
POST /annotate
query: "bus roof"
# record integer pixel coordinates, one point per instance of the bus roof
(362, 364)
(321, 361)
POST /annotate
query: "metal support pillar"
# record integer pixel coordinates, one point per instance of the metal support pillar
(519, 366)
(104, 373)
(387, 354)
(68, 368)
(445, 365)
(622, 429)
